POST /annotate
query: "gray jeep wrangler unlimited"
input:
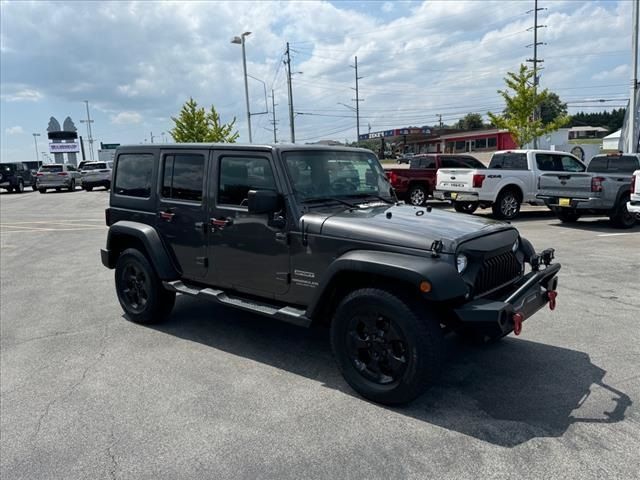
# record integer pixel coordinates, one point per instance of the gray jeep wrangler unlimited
(312, 235)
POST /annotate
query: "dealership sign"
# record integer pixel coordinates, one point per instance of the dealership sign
(70, 147)
(396, 132)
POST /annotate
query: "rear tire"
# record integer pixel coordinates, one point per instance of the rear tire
(42, 190)
(621, 218)
(72, 186)
(88, 188)
(507, 205)
(140, 291)
(465, 207)
(567, 215)
(418, 195)
(20, 187)
(58, 189)
(387, 350)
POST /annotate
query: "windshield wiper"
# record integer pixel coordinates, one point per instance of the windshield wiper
(375, 195)
(329, 199)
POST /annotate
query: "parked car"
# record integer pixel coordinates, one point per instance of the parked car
(604, 189)
(96, 174)
(417, 183)
(404, 158)
(15, 176)
(57, 176)
(271, 230)
(634, 200)
(510, 181)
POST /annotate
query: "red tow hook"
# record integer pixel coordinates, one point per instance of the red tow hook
(551, 295)
(517, 323)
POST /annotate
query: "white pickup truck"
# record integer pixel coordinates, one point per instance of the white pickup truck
(634, 202)
(513, 178)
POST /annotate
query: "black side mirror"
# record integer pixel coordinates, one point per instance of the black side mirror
(263, 201)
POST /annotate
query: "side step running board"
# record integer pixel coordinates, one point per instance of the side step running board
(286, 314)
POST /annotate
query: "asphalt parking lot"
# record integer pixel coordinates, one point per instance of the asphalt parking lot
(214, 393)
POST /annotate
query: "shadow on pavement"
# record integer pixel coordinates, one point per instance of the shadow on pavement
(601, 225)
(505, 393)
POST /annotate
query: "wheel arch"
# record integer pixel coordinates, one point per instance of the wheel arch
(126, 234)
(394, 272)
(517, 188)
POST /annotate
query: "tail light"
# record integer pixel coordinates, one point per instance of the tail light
(393, 178)
(477, 180)
(596, 184)
(39, 174)
(63, 174)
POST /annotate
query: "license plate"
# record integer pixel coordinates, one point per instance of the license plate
(454, 195)
(565, 202)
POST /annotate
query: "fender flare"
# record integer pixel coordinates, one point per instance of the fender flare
(148, 236)
(446, 283)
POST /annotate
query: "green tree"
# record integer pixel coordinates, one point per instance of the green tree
(193, 124)
(521, 105)
(551, 108)
(471, 121)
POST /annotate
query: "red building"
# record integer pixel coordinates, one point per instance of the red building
(474, 141)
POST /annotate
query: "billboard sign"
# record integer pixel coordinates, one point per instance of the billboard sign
(70, 147)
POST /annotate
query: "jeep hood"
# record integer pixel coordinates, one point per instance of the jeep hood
(403, 225)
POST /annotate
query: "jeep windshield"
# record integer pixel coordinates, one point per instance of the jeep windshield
(319, 176)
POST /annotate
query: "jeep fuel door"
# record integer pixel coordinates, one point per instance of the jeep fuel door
(181, 215)
(249, 251)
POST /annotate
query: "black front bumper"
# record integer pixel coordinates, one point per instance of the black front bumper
(494, 317)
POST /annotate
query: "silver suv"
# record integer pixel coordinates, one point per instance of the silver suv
(96, 174)
(58, 176)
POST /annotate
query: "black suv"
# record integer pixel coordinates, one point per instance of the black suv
(15, 176)
(314, 235)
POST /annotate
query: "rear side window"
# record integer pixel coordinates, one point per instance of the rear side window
(449, 162)
(133, 174)
(183, 177)
(548, 162)
(509, 161)
(427, 162)
(598, 164)
(238, 175)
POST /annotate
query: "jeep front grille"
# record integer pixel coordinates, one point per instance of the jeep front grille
(496, 272)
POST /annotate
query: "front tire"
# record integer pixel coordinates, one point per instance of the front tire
(72, 186)
(465, 207)
(20, 187)
(387, 350)
(507, 205)
(140, 291)
(42, 190)
(417, 195)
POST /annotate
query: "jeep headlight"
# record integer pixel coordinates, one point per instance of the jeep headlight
(461, 262)
(516, 245)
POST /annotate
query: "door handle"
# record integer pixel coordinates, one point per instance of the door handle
(221, 223)
(167, 215)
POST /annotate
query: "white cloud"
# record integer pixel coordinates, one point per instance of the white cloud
(24, 95)
(621, 72)
(126, 118)
(387, 7)
(16, 130)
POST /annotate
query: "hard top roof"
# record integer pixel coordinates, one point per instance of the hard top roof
(280, 147)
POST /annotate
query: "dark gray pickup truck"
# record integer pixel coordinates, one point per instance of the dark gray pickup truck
(604, 189)
(315, 235)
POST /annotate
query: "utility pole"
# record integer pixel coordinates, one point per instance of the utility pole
(291, 125)
(151, 136)
(535, 59)
(357, 100)
(88, 121)
(633, 101)
(440, 120)
(273, 111)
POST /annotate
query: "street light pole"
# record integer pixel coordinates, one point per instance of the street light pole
(241, 40)
(632, 143)
(88, 121)
(35, 142)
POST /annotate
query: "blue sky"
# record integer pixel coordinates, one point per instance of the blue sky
(137, 62)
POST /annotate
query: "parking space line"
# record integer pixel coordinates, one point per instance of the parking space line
(618, 234)
(37, 230)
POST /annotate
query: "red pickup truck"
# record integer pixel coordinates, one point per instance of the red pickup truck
(416, 183)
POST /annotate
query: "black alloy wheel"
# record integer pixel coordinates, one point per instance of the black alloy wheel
(388, 349)
(377, 348)
(136, 287)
